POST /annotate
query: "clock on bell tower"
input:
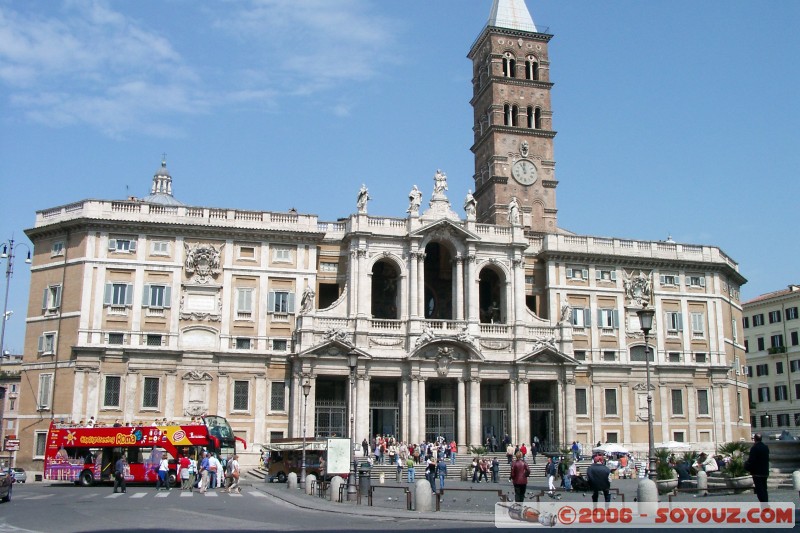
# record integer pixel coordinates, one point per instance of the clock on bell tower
(513, 134)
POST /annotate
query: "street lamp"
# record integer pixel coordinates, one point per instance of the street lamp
(352, 493)
(306, 391)
(646, 323)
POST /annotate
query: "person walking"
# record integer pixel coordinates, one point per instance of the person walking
(550, 471)
(509, 453)
(412, 474)
(441, 471)
(453, 452)
(495, 470)
(163, 474)
(119, 474)
(599, 477)
(758, 465)
(183, 472)
(235, 471)
(519, 477)
(204, 473)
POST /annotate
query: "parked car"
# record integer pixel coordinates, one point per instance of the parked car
(6, 485)
(20, 476)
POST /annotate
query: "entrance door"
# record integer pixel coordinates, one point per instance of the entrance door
(493, 422)
(384, 419)
(440, 421)
(543, 428)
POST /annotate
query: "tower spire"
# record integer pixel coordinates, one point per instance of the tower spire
(511, 15)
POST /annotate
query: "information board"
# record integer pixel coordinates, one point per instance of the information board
(338, 460)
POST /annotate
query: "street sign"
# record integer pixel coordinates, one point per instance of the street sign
(12, 445)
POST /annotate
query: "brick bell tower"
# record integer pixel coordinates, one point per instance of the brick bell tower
(513, 131)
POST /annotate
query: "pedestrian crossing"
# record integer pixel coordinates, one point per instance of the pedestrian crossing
(137, 495)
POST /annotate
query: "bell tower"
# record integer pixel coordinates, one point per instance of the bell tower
(513, 132)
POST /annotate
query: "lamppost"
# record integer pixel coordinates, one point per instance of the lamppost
(8, 255)
(646, 323)
(352, 492)
(306, 391)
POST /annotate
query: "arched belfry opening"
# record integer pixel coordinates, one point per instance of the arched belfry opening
(438, 282)
(385, 292)
(491, 296)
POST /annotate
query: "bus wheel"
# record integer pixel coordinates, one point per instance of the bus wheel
(86, 479)
(172, 479)
(281, 477)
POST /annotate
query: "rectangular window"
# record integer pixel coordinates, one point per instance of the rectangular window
(794, 365)
(57, 249)
(530, 280)
(111, 395)
(758, 320)
(281, 302)
(776, 341)
(244, 303)
(154, 340)
(581, 405)
(116, 338)
(51, 300)
(760, 343)
(609, 355)
(674, 357)
(40, 444)
(45, 391)
(611, 401)
(118, 294)
(669, 279)
(762, 370)
(612, 437)
(160, 248)
(280, 345)
(677, 402)
(605, 275)
(577, 273)
(281, 254)
(746, 322)
(608, 318)
(47, 344)
(765, 421)
(674, 321)
(700, 357)
(763, 394)
(150, 393)
(678, 436)
(698, 324)
(277, 400)
(241, 395)
(781, 393)
(783, 420)
(779, 367)
(121, 245)
(638, 354)
(581, 317)
(774, 316)
(580, 355)
(247, 253)
(696, 281)
(243, 343)
(791, 313)
(795, 340)
(702, 402)
(157, 296)
(797, 393)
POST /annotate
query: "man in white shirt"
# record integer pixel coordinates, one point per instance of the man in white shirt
(215, 471)
(163, 473)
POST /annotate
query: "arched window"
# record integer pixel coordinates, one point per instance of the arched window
(514, 115)
(438, 282)
(537, 118)
(385, 290)
(509, 65)
(491, 297)
(531, 68)
(506, 115)
(529, 114)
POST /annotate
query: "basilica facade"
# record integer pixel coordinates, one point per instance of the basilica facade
(471, 317)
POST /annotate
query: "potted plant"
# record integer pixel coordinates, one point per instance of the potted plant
(736, 477)
(666, 477)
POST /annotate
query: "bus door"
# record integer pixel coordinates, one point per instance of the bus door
(109, 458)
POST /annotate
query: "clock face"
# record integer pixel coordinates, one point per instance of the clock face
(524, 172)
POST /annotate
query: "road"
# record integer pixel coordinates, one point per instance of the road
(68, 508)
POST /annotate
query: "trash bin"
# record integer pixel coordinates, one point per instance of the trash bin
(464, 475)
(364, 478)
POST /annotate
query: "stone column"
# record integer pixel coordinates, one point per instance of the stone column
(363, 280)
(458, 300)
(362, 408)
(461, 415)
(169, 400)
(512, 411)
(260, 408)
(518, 273)
(471, 291)
(523, 412)
(421, 406)
(78, 410)
(625, 412)
(570, 426)
(413, 414)
(475, 411)
(405, 409)
(411, 297)
(421, 284)
(222, 394)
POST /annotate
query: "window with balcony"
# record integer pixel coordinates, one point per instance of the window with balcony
(118, 296)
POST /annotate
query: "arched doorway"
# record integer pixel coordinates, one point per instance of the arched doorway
(491, 297)
(438, 282)
(385, 279)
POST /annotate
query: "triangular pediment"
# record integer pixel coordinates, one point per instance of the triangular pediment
(447, 227)
(334, 348)
(547, 355)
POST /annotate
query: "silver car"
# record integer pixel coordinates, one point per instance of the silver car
(19, 475)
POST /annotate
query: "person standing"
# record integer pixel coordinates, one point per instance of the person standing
(519, 477)
(453, 452)
(204, 473)
(192, 474)
(412, 474)
(495, 470)
(214, 467)
(119, 474)
(758, 465)
(163, 473)
(441, 471)
(183, 471)
(599, 477)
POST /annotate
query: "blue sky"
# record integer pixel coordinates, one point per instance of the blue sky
(674, 118)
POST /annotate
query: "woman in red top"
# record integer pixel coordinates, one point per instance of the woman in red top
(519, 477)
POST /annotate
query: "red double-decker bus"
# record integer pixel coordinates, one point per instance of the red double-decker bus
(87, 455)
